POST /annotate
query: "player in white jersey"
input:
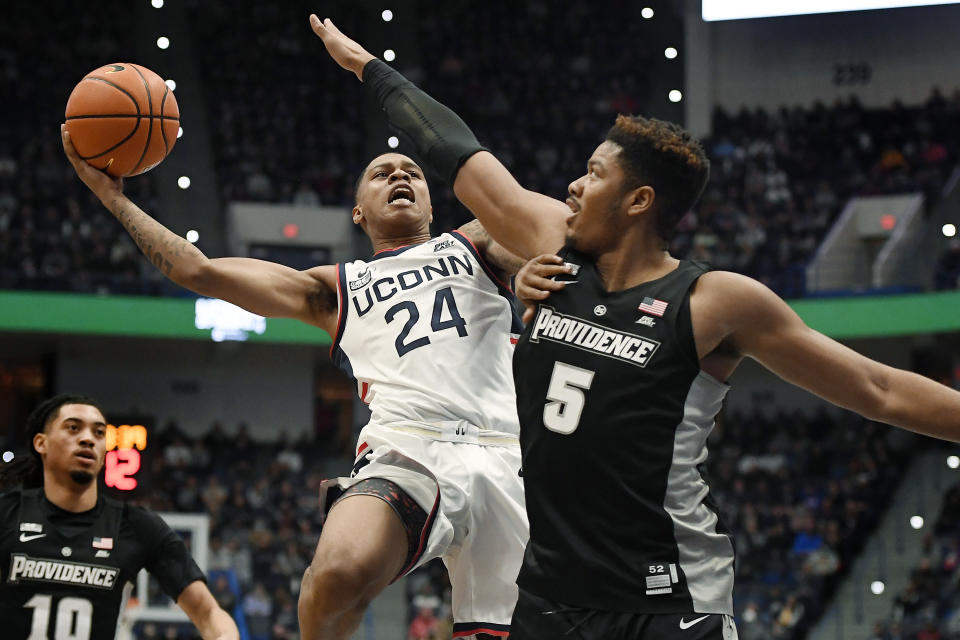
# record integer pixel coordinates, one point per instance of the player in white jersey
(403, 334)
(428, 330)
(429, 336)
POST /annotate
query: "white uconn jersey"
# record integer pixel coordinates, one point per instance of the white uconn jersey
(428, 332)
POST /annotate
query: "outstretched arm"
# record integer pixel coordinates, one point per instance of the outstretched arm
(525, 222)
(201, 607)
(761, 325)
(264, 288)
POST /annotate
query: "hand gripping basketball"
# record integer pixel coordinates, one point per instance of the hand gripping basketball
(122, 118)
(102, 184)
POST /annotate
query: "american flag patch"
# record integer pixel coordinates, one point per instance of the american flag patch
(653, 306)
(103, 543)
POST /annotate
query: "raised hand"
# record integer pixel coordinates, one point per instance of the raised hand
(533, 282)
(346, 52)
(99, 182)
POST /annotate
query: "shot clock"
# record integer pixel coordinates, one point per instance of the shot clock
(126, 469)
(124, 444)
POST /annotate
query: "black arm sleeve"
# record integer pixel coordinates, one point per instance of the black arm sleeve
(440, 137)
(167, 558)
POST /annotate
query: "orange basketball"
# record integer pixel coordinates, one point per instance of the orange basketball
(122, 118)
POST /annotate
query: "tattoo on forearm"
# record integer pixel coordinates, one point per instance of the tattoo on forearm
(163, 248)
(504, 260)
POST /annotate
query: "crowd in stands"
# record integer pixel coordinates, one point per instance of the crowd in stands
(780, 179)
(262, 499)
(929, 607)
(800, 495)
(539, 104)
(288, 125)
(54, 234)
(286, 122)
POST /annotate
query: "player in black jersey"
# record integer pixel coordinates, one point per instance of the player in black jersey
(622, 369)
(67, 553)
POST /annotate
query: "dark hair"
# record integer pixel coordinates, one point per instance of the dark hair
(28, 470)
(357, 185)
(666, 157)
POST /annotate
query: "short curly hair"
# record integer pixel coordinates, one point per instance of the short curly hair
(666, 157)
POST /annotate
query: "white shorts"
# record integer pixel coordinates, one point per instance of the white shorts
(468, 483)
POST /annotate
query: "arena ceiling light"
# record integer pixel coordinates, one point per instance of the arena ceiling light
(192, 236)
(646, 12)
(877, 587)
(953, 462)
(740, 9)
(916, 522)
(393, 142)
(7, 456)
(387, 15)
(670, 53)
(163, 42)
(389, 55)
(179, 132)
(157, 4)
(183, 182)
(171, 83)
(949, 230)
(675, 95)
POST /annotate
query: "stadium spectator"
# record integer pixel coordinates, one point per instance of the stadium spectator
(423, 626)
(257, 608)
(223, 594)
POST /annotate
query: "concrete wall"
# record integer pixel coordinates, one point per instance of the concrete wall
(795, 60)
(195, 383)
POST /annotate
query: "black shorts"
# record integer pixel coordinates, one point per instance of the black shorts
(537, 618)
(415, 521)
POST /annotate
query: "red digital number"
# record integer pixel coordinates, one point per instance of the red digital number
(121, 465)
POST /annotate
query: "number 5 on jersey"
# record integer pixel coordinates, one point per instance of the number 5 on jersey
(566, 397)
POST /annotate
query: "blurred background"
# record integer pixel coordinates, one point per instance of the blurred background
(834, 140)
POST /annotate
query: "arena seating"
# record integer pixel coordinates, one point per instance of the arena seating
(779, 178)
(262, 501)
(800, 496)
(287, 123)
(929, 608)
(54, 235)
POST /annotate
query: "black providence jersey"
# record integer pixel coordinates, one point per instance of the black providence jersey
(614, 417)
(63, 574)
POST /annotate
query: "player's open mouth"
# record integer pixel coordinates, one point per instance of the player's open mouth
(86, 455)
(402, 194)
(573, 205)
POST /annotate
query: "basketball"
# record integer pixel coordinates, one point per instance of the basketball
(123, 119)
